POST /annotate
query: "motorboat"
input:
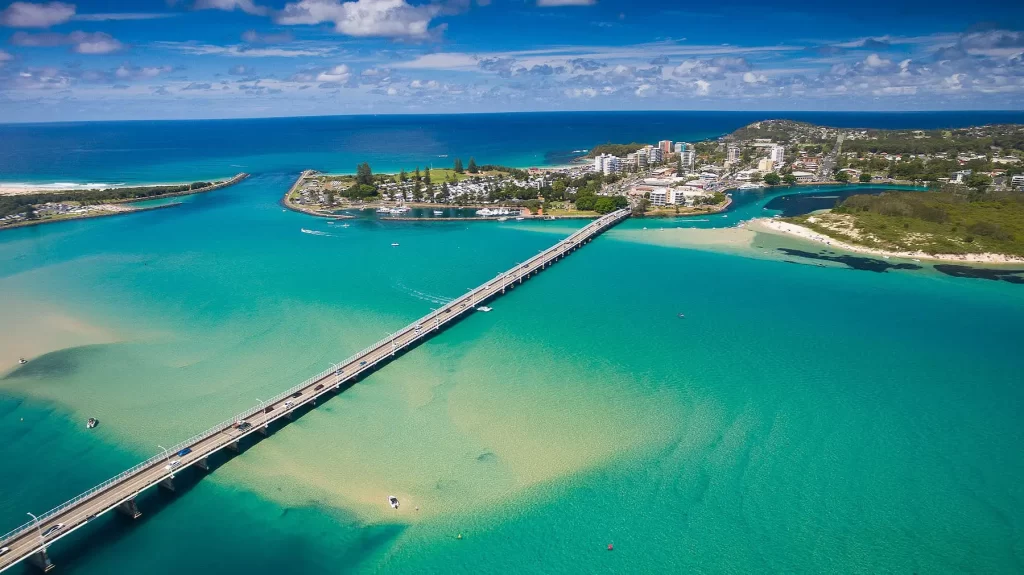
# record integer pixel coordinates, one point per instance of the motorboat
(93, 422)
(398, 210)
(520, 218)
(438, 213)
(502, 219)
(22, 361)
(393, 501)
(383, 210)
(483, 308)
(394, 244)
(344, 225)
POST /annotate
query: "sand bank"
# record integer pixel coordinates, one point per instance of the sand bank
(777, 226)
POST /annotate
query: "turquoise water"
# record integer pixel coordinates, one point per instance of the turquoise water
(799, 419)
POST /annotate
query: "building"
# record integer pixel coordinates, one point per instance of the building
(778, 155)
(708, 177)
(658, 196)
(960, 177)
(665, 146)
(732, 154)
(607, 164)
(687, 155)
(766, 165)
(681, 147)
(641, 159)
(654, 155)
(803, 176)
(1017, 181)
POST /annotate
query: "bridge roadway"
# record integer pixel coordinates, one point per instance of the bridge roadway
(31, 540)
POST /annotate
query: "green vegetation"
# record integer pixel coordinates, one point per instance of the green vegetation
(614, 149)
(772, 179)
(23, 203)
(951, 221)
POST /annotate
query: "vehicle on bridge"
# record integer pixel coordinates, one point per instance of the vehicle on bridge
(53, 529)
(184, 452)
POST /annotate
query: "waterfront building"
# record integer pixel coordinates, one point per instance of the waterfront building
(803, 176)
(658, 197)
(778, 154)
(607, 164)
(732, 154)
(765, 165)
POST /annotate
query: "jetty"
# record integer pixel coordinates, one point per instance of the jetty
(32, 540)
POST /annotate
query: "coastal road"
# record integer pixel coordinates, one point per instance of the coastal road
(29, 542)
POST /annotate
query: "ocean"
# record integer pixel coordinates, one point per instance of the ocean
(798, 419)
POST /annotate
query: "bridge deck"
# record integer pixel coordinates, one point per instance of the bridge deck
(27, 540)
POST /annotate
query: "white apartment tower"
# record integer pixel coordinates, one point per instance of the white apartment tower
(778, 154)
(732, 154)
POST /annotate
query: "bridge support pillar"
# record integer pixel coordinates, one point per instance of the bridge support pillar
(203, 464)
(233, 446)
(129, 509)
(167, 483)
(290, 415)
(41, 560)
(264, 430)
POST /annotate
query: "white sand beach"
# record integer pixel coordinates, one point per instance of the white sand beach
(770, 225)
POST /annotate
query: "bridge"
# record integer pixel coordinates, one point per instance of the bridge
(31, 540)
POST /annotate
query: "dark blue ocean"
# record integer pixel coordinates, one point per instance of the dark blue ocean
(166, 151)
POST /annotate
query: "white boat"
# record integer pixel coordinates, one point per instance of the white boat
(438, 213)
(93, 422)
(483, 308)
(344, 225)
(383, 210)
(393, 501)
(22, 361)
(394, 244)
(503, 219)
(520, 218)
(398, 210)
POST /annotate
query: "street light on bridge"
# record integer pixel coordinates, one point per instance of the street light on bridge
(39, 530)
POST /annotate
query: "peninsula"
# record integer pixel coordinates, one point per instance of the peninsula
(29, 208)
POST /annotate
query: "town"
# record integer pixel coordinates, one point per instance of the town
(680, 178)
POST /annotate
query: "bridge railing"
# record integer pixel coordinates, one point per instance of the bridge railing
(226, 424)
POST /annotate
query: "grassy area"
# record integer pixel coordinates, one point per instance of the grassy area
(932, 222)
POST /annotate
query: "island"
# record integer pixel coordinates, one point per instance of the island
(32, 208)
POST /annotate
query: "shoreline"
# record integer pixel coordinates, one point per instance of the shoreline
(774, 226)
(24, 188)
(118, 207)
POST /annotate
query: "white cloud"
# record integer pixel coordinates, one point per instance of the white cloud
(242, 51)
(246, 6)
(442, 61)
(364, 18)
(752, 78)
(954, 82)
(81, 42)
(644, 90)
(338, 74)
(550, 3)
(5, 57)
(875, 61)
(124, 71)
(29, 15)
(896, 91)
(703, 87)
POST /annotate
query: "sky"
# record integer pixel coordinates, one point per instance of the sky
(169, 59)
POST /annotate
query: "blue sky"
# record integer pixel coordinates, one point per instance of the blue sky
(239, 58)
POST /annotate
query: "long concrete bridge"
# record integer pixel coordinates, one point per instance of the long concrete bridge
(31, 540)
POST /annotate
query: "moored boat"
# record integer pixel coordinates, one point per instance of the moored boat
(393, 501)
(93, 422)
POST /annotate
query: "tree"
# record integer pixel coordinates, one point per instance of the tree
(755, 177)
(458, 166)
(364, 175)
(789, 179)
(679, 166)
(641, 207)
(772, 179)
(864, 178)
(330, 197)
(472, 165)
(426, 177)
(978, 181)
(417, 175)
(842, 177)
(402, 176)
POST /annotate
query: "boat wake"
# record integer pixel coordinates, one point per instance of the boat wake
(435, 299)
(316, 233)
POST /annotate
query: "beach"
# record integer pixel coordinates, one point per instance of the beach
(775, 226)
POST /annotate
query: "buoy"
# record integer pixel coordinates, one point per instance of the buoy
(610, 548)
(460, 536)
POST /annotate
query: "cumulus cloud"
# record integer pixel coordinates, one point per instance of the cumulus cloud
(336, 75)
(876, 61)
(197, 86)
(550, 3)
(702, 87)
(644, 90)
(581, 92)
(246, 6)
(752, 78)
(364, 18)
(80, 42)
(713, 68)
(126, 71)
(29, 15)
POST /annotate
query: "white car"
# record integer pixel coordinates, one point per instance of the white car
(4, 550)
(172, 464)
(289, 404)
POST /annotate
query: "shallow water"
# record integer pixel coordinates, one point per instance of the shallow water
(798, 419)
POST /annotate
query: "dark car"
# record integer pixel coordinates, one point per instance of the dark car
(244, 426)
(89, 518)
(362, 363)
(268, 409)
(296, 394)
(185, 452)
(321, 386)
